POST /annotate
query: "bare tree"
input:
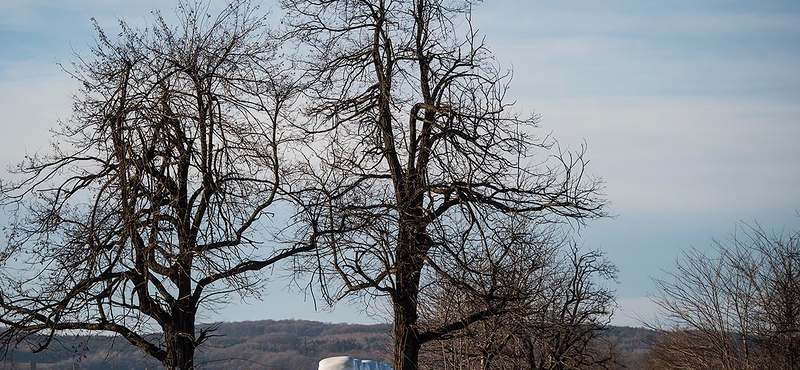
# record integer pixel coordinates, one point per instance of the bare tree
(418, 158)
(567, 321)
(557, 323)
(500, 280)
(147, 209)
(737, 309)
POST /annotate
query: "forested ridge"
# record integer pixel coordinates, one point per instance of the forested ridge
(268, 344)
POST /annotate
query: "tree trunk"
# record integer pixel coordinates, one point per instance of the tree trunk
(181, 341)
(409, 265)
(406, 332)
(180, 351)
(185, 354)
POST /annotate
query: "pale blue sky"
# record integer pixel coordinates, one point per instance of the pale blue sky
(691, 110)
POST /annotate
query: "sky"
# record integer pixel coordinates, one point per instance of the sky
(690, 110)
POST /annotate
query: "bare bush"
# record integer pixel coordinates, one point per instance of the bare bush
(556, 322)
(736, 309)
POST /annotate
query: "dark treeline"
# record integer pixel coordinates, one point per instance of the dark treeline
(269, 344)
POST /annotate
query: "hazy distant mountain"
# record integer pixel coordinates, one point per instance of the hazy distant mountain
(268, 344)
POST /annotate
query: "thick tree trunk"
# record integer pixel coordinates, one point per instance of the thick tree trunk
(181, 341)
(406, 331)
(180, 350)
(184, 355)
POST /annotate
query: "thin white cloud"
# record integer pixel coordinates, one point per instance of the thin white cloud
(40, 13)
(543, 19)
(686, 154)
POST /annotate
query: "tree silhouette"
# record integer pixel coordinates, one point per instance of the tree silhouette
(145, 210)
(418, 162)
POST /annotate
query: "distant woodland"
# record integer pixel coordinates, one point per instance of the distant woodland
(269, 344)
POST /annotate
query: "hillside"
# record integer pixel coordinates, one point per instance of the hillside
(262, 345)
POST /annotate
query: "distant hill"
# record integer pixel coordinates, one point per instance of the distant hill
(632, 344)
(265, 345)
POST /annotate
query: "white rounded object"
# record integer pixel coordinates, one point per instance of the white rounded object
(338, 363)
(349, 363)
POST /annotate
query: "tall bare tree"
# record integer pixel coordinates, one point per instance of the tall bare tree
(147, 208)
(418, 158)
(736, 309)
